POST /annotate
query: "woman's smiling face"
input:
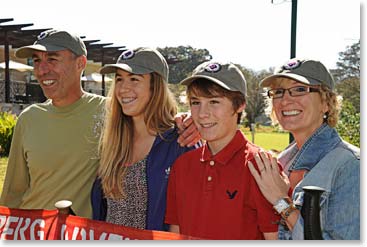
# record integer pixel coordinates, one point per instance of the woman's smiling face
(301, 115)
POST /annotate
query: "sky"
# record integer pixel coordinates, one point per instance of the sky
(252, 33)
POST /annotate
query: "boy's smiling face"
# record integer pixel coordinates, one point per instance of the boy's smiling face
(215, 119)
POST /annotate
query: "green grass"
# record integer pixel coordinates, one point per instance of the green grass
(268, 137)
(3, 165)
(270, 140)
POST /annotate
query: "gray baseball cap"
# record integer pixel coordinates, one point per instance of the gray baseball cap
(310, 72)
(53, 40)
(139, 61)
(226, 75)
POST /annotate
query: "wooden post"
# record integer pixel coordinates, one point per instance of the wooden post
(252, 127)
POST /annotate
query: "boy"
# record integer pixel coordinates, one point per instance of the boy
(211, 192)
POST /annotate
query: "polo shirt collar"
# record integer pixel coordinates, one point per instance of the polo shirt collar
(225, 155)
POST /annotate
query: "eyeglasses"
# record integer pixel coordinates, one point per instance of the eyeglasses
(293, 91)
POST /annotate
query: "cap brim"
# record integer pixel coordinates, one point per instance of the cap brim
(112, 68)
(27, 51)
(270, 79)
(190, 79)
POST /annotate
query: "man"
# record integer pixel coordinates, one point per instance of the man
(54, 151)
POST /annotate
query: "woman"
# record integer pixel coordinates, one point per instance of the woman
(138, 143)
(304, 103)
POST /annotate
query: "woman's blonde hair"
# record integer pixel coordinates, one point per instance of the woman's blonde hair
(332, 100)
(116, 141)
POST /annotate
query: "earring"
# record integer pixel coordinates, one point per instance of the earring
(325, 116)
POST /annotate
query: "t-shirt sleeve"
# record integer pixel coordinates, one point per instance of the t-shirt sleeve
(17, 175)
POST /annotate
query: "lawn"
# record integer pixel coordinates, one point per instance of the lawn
(268, 137)
(270, 140)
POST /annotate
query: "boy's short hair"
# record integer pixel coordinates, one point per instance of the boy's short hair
(206, 88)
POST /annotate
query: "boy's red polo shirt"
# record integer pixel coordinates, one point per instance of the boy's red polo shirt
(216, 197)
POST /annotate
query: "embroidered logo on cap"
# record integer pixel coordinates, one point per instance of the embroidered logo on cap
(127, 54)
(292, 64)
(45, 34)
(213, 67)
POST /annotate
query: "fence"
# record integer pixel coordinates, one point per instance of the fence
(22, 92)
(29, 93)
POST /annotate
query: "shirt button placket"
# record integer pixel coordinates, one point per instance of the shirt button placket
(210, 178)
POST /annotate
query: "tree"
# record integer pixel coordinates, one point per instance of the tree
(348, 65)
(182, 60)
(350, 90)
(347, 75)
(255, 105)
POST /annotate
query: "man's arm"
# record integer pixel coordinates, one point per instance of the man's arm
(17, 177)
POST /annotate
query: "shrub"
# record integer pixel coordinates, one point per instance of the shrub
(349, 124)
(7, 124)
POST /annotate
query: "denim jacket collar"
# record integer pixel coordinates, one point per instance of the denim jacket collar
(313, 150)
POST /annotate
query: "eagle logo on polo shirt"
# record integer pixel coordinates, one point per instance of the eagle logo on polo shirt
(231, 195)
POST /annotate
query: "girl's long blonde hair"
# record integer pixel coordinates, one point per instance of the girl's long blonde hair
(116, 141)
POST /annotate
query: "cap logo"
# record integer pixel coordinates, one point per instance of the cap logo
(127, 54)
(45, 34)
(292, 64)
(213, 67)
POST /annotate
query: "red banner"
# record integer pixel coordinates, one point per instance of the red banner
(21, 224)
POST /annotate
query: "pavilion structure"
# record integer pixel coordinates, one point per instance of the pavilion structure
(13, 36)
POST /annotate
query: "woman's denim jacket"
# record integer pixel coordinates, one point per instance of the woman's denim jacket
(333, 165)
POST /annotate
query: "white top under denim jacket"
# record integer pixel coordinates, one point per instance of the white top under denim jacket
(333, 165)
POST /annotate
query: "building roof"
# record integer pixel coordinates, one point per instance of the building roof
(15, 36)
